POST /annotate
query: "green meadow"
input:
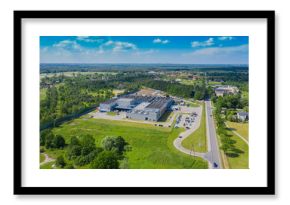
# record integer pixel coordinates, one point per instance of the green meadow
(151, 147)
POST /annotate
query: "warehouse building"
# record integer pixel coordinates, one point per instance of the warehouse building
(138, 107)
(151, 111)
(108, 105)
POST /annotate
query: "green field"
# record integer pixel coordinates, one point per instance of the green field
(241, 128)
(41, 158)
(42, 93)
(151, 146)
(239, 158)
(214, 83)
(188, 82)
(245, 95)
(47, 165)
(193, 104)
(197, 140)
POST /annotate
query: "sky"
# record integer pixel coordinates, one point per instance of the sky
(144, 49)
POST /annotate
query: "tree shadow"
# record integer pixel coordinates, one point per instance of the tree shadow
(235, 152)
(231, 129)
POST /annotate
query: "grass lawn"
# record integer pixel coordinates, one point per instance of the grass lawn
(197, 139)
(238, 158)
(41, 158)
(151, 146)
(47, 165)
(214, 83)
(43, 93)
(111, 113)
(245, 94)
(193, 104)
(187, 82)
(241, 128)
(118, 92)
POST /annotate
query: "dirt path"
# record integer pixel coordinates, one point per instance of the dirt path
(47, 159)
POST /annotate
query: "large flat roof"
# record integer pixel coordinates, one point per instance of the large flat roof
(109, 101)
(158, 103)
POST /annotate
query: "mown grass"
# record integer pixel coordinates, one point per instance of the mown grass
(188, 82)
(43, 93)
(47, 165)
(239, 157)
(240, 128)
(197, 140)
(151, 146)
(41, 158)
(214, 83)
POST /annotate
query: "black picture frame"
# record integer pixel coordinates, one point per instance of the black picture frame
(268, 190)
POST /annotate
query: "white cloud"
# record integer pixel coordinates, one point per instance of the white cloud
(224, 38)
(158, 40)
(67, 44)
(221, 50)
(89, 39)
(208, 42)
(118, 46)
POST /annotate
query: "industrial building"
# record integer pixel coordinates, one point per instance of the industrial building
(222, 90)
(138, 107)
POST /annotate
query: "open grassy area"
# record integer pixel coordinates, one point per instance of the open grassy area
(41, 158)
(239, 157)
(214, 83)
(118, 92)
(193, 104)
(187, 82)
(245, 94)
(151, 146)
(241, 128)
(197, 140)
(47, 165)
(42, 93)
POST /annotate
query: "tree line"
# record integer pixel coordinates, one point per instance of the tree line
(82, 152)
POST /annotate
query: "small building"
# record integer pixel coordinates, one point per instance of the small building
(243, 116)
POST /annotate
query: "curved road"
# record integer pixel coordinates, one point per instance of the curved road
(213, 154)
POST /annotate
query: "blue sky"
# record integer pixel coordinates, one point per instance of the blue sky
(144, 49)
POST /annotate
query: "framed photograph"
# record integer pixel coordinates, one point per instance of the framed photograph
(144, 102)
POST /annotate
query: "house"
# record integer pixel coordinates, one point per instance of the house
(243, 116)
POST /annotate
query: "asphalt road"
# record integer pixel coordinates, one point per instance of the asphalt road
(177, 142)
(213, 154)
